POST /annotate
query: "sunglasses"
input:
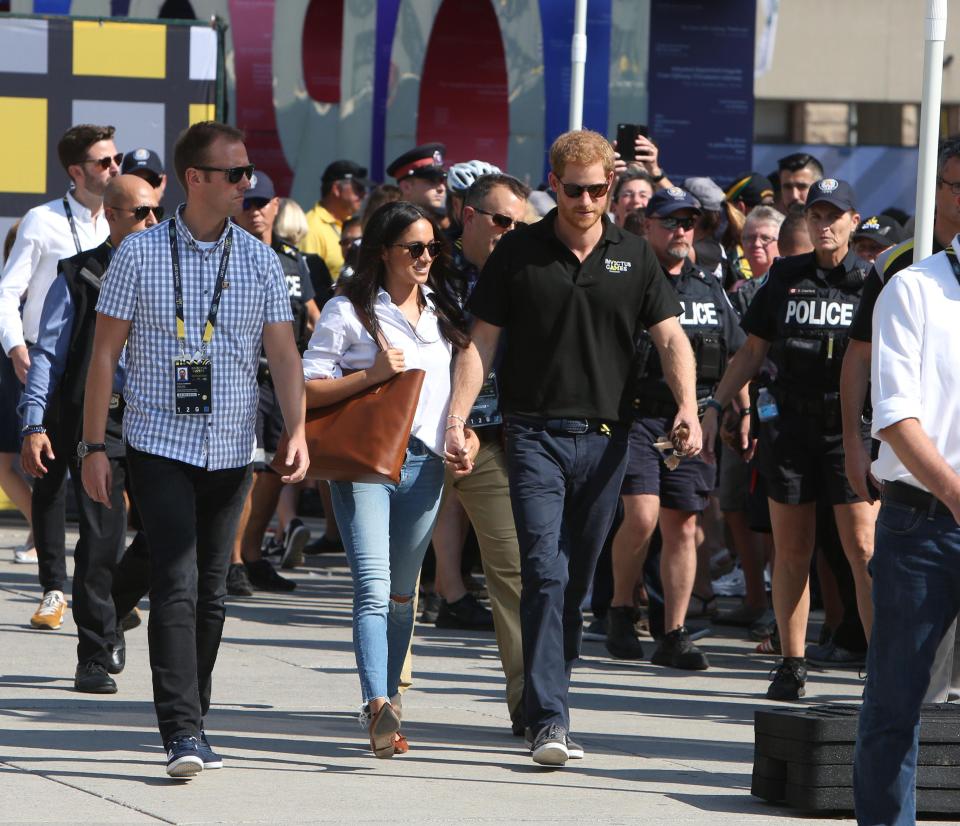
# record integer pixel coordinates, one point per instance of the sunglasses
(141, 212)
(501, 220)
(104, 163)
(593, 190)
(349, 242)
(686, 224)
(253, 203)
(416, 249)
(233, 173)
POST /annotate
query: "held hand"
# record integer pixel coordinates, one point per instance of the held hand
(856, 464)
(462, 464)
(97, 477)
(297, 458)
(35, 447)
(21, 362)
(709, 435)
(386, 365)
(455, 444)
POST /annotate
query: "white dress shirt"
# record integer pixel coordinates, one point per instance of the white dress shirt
(341, 342)
(914, 372)
(43, 238)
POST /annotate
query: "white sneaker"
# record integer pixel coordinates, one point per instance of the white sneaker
(25, 555)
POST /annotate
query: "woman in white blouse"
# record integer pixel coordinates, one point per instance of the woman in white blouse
(399, 291)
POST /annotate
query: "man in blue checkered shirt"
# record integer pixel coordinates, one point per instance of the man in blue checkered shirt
(192, 299)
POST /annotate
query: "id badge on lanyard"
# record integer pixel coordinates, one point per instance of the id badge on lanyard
(193, 377)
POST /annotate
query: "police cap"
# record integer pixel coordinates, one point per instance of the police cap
(832, 191)
(424, 161)
(142, 160)
(667, 201)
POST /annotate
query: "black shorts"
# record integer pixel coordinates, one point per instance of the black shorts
(10, 392)
(269, 426)
(801, 463)
(685, 489)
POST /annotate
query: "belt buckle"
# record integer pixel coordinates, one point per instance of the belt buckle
(576, 426)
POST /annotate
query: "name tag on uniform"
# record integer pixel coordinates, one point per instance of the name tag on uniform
(193, 393)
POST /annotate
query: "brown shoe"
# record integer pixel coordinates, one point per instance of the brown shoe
(384, 728)
(49, 615)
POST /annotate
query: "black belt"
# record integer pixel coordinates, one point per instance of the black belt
(489, 434)
(567, 427)
(903, 494)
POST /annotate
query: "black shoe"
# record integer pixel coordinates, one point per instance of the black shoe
(323, 545)
(92, 678)
(676, 651)
(550, 746)
(295, 540)
(131, 620)
(622, 641)
(238, 583)
(118, 653)
(466, 613)
(596, 630)
(517, 724)
(788, 679)
(264, 578)
(430, 608)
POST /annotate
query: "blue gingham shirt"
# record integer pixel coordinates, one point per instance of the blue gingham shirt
(138, 287)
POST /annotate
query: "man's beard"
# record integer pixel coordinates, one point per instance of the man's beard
(678, 251)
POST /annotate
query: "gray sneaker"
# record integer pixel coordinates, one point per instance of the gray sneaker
(550, 746)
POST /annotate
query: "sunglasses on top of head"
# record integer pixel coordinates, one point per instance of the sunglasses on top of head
(104, 163)
(593, 190)
(233, 173)
(416, 249)
(501, 220)
(685, 224)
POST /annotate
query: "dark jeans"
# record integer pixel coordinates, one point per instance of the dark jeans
(564, 490)
(103, 534)
(190, 517)
(916, 595)
(131, 580)
(48, 501)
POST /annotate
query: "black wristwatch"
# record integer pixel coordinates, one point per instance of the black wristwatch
(86, 448)
(657, 178)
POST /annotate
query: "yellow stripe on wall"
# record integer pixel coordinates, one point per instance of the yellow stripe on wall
(108, 49)
(201, 112)
(24, 145)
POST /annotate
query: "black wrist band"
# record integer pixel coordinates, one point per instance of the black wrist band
(745, 411)
(713, 403)
(657, 178)
(30, 429)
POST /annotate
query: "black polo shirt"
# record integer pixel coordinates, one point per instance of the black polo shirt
(571, 327)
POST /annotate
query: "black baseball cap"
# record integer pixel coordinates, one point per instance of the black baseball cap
(261, 188)
(880, 228)
(831, 191)
(142, 160)
(345, 170)
(752, 188)
(667, 201)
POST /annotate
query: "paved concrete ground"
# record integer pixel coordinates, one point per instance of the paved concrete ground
(662, 746)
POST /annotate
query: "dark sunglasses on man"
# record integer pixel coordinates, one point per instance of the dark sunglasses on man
(686, 224)
(104, 163)
(254, 203)
(141, 212)
(595, 191)
(501, 220)
(233, 173)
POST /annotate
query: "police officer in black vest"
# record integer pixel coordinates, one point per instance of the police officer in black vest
(248, 569)
(52, 416)
(801, 317)
(651, 492)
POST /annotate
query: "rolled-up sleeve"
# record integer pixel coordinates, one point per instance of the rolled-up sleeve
(896, 369)
(330, 340)
(15, 280)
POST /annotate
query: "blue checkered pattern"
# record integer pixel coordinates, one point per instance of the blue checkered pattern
(138, 287)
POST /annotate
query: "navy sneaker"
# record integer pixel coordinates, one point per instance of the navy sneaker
(211, 760)
(183, 757)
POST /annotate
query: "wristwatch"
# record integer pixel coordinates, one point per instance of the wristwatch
(86, 448)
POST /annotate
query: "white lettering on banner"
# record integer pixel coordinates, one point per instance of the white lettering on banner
(820, 313)
(697, 314)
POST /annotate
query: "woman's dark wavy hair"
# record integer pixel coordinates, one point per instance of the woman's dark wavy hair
(385, 226)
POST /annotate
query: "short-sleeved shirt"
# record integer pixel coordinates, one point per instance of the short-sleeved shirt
(571, 327)
(138, 287)
(888, 264)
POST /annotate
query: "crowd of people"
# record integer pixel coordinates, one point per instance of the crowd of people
(638, 393)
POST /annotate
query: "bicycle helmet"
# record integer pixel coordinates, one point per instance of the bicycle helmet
(460, 176)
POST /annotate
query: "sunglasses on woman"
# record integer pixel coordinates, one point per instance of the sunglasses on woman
(416, 249)
(593, 190)
(501, 220)
(104, 163)
(233, 173)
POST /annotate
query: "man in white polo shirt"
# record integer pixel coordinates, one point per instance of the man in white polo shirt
(916, 562)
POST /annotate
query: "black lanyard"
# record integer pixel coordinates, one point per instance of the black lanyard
(73, 225)
(178, 289)
(952, 258)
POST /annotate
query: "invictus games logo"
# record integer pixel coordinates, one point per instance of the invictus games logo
(828, 185)
(617, 267)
